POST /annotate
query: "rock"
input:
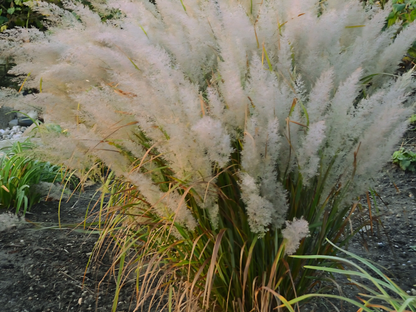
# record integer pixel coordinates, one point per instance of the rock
(13, 123)
(6, 116)
(25, 121)
(8, 220)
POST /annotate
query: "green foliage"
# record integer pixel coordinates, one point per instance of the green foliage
(405, 159)
(16, 13)
(18, 172)
(384, 295)
(403, 11)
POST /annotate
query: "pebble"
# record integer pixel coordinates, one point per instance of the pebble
(12, 133)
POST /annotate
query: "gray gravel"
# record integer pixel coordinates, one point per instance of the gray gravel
(12, 133)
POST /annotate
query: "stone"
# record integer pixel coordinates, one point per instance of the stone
(6, 116)
(13, 123)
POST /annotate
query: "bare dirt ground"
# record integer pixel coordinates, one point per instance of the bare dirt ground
(43, 268)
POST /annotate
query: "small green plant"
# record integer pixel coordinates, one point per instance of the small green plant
(16, 13)
(402, 10)
(18, 172)
(405, 12)
(385, 295)
(406, 159)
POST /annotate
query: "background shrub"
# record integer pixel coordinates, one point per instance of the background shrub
(19, 13)
(16, 13)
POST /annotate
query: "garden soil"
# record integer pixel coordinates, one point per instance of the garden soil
(44, 267)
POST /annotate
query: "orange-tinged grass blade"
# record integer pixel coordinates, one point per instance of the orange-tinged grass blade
(297, 123)
(5, 188)
(145, 155)
(295, 100)
(125, 93)
(24, 81)
(355, 26)
(274, 266)
(281, 298)
(228, 294)
(106, 137)
(370, 305)
(123, 113)
(183, 197)
(62, 194)
(210, 274)
(143, 292)
(77, 116)
(241, 260)
(198, 274)
(245, 275)
(192, 253)
(118, 287)
(251, 102)
(256, 293)
(201, 100)
(369, 211)
(257, 38)
(291, 280)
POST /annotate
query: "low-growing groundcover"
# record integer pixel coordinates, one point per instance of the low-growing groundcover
(20, 172)
(240, 132)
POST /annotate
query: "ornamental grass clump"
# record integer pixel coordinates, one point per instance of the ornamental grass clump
(241, 132)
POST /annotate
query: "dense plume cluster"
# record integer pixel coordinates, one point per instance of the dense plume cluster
(281, 78)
